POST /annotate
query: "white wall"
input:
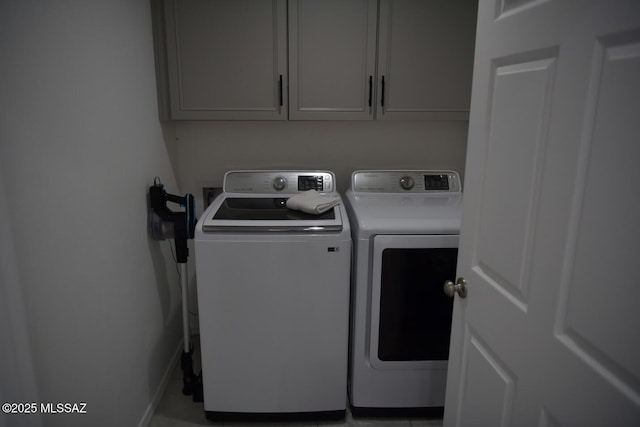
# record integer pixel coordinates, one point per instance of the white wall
(80, 142)
(17, 379)
(206, 150)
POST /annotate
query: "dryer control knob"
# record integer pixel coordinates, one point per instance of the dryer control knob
(406, 182)
(279, 183)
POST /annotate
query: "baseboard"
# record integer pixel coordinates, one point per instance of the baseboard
(164, 382)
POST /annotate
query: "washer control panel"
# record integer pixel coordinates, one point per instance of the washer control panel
(286, 182)
(410, 181)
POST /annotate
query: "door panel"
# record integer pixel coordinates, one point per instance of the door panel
(516, 141)
(550, 232)
(488, 379)
(606, 211)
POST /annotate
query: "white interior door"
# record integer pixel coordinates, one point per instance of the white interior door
(549, 333)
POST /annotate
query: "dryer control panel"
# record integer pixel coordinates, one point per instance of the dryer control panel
(407, 181)
(278, 182)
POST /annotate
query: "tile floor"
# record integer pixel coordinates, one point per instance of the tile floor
(177, 410)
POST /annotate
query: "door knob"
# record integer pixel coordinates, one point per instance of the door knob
(460, 287)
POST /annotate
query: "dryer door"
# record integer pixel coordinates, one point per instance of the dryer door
(410, 314)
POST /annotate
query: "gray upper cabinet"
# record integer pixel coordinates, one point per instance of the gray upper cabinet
(425, 59)
(320, 59)
(332, 50)
(227, 59)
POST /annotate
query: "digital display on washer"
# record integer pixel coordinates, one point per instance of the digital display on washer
(310, 182)
(436, 182)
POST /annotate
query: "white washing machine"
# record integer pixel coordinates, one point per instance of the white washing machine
(273, 299)
(405, 227)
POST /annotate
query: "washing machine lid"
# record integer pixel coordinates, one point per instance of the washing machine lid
(265, 213)
(405, 202)
(373, 214)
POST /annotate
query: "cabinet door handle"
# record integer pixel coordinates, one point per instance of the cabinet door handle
(382, 94)
(370, 92)
(280, 84)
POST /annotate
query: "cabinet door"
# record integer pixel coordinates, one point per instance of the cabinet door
(227, 59)
(425, 59)
(332, 47)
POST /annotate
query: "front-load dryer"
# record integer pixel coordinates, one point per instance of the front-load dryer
(273, 299)
(405, 227)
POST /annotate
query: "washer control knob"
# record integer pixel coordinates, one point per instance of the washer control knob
(406, 182)
(279, 183)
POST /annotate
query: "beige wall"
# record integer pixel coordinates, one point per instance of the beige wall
(206, 150)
